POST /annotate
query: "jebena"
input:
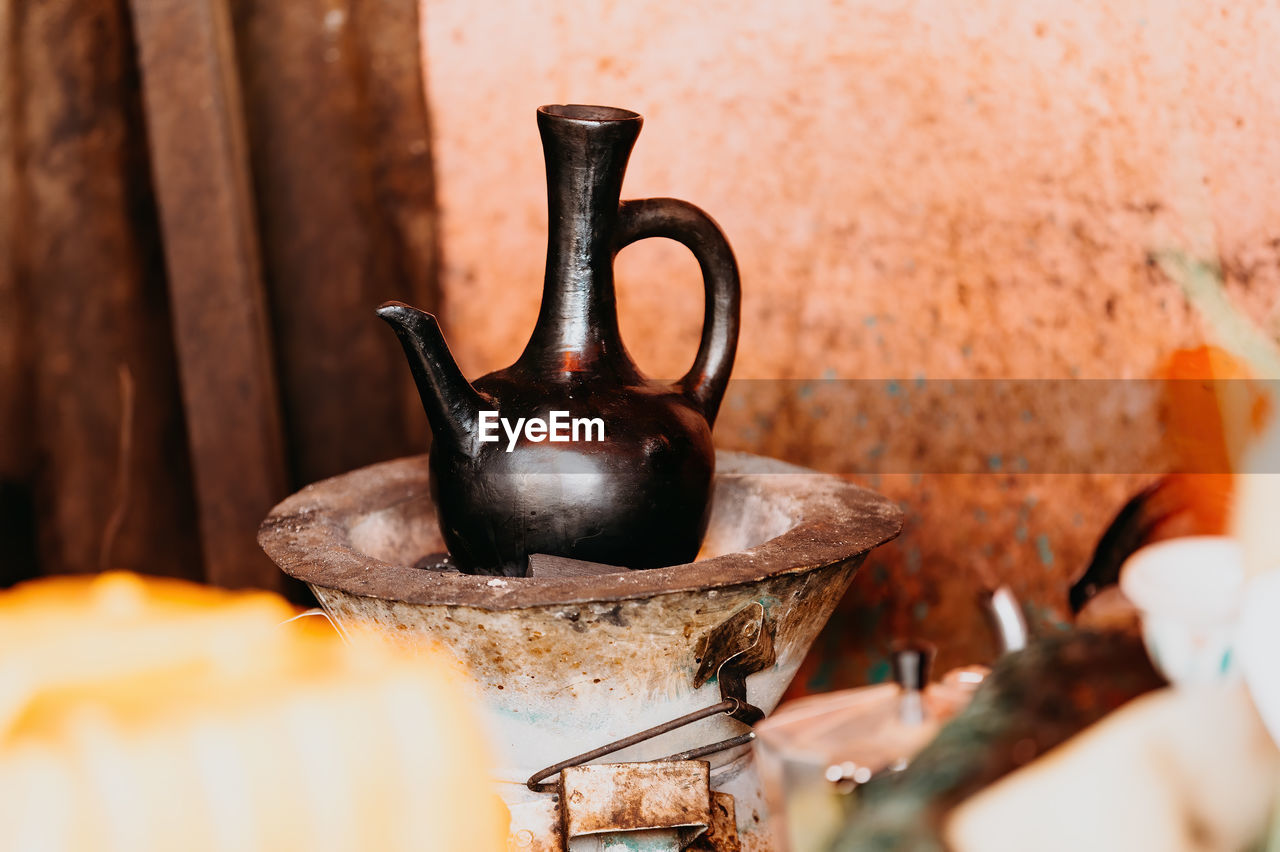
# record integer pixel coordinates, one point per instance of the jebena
(560, 428)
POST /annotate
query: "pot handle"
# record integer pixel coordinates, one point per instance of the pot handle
(681, 221)
(739, 646)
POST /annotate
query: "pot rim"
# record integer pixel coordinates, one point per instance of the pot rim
(308, 537)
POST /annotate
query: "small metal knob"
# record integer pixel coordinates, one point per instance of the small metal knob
(911, 664)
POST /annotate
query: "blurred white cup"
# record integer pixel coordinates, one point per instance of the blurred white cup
(1188, 591)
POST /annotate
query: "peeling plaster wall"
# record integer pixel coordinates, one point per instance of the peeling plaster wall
(915, 189)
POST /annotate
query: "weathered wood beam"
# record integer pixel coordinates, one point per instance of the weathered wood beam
(338, 135)
(106, 446)
(201, 170)
(17, 453)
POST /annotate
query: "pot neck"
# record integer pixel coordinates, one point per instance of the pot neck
(586, 150)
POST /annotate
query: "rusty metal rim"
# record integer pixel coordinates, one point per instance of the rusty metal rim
(307, 535)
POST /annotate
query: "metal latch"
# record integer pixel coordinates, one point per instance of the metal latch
(739, 646)
(657, 807)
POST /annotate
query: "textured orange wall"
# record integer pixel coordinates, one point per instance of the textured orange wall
(915, 190)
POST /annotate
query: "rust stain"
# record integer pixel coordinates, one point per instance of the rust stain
(722, 835)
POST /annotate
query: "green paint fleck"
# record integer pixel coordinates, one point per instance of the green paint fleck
(824, 675)
(879, 671)
(914, 560)
(1020, 533)
(1044, 551)
(870, 321)
(893, 388)
(920, 611)
(768, 602)
(994, 462)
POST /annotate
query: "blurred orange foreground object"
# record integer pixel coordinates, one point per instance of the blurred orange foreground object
(1214, 411)
(148, 714)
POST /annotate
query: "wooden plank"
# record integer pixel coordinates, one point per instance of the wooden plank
(200, 165)
(15, 390)
(337, 128)
(404, 168)
(17, 454)
(400, 129)
(107, 446)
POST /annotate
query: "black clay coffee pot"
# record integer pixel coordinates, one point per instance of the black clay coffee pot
(571, 451)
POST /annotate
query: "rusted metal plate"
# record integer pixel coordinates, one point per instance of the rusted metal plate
(624, 797)
(744, 638)
(741, 646)
(535, 825)
(722, 834)
(648, 840)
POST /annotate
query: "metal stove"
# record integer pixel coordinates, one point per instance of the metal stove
(618, 705)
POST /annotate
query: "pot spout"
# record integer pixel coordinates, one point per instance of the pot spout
(451, 403)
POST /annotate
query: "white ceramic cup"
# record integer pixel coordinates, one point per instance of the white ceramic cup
(1258, 646)
(1188, 591)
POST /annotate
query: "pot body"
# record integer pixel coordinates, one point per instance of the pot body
(638, 497)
